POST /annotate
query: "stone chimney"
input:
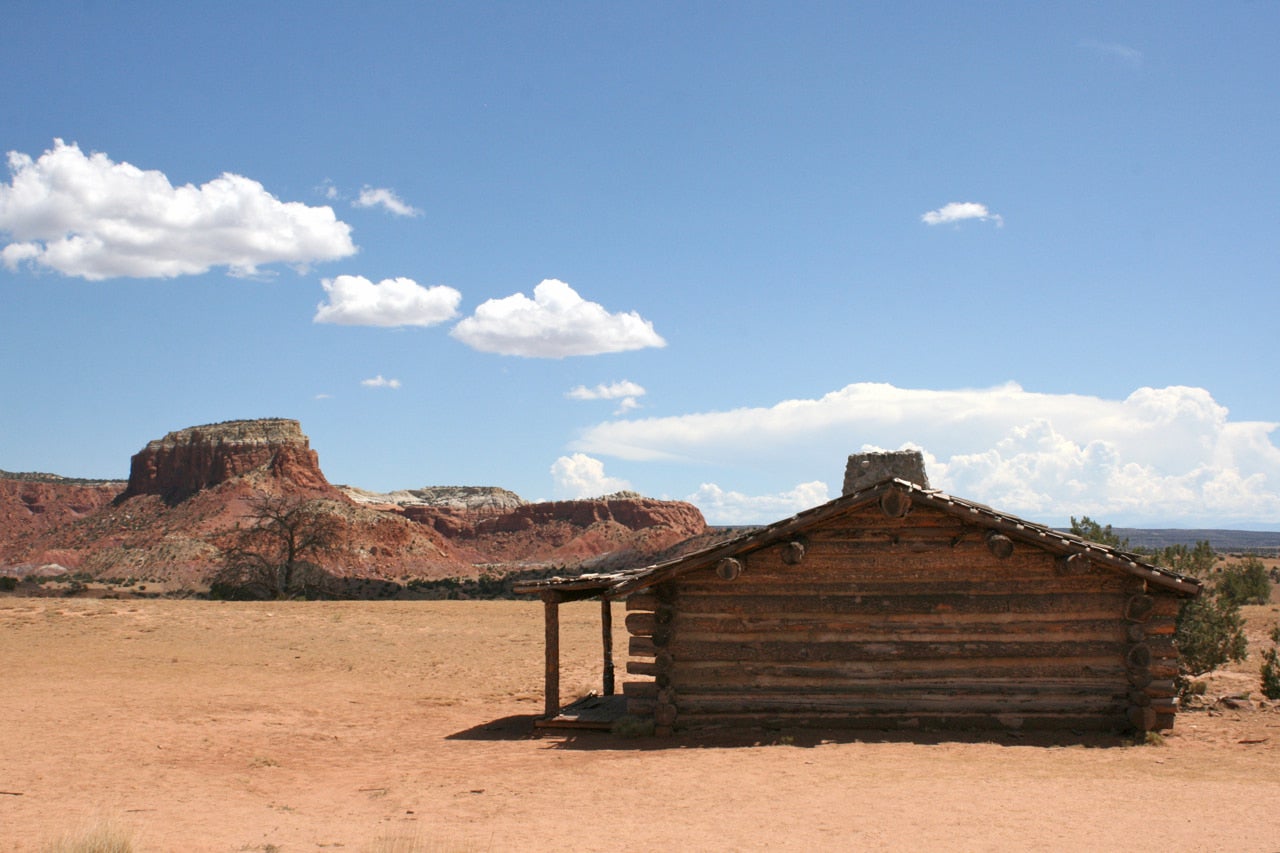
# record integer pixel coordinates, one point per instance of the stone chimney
(868, 469)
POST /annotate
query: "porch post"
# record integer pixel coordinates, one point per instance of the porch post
(551, 692)
(606, 631)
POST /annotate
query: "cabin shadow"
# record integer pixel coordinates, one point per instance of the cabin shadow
(531, 727)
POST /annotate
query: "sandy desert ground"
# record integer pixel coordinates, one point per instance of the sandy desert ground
(387, 726)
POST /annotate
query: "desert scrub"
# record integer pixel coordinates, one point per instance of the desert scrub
(100, 836)
(1271, 667)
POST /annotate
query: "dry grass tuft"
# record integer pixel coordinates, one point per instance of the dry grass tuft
(102, 835)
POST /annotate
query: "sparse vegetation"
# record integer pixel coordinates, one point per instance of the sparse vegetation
(276, 555)
(100, 836)
(1244, 583)
(1087, 528)
(1271, 667)
(1209, 629)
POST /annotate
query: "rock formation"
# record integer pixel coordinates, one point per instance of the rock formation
(184, 462)
(189, 492)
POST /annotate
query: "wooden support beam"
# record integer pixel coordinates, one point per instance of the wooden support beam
(895, 503)
(606, 635)
(551, 692)
(793, 552)
(729, 568)
(999, 544)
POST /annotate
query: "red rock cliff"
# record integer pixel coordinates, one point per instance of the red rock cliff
(189, 460)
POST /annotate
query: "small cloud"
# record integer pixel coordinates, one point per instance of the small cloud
(581, 476)
(328, 190)
(556, 323)
(354, 300)
(1119, 51)
(382, 197)
(626, 391)
(958, 211)
(379, 382)
(323, 397)
(90, 217)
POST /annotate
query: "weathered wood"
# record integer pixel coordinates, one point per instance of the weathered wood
(728, 569)
(999, 544)
(916, 584)
(895, 503)
(1161, 689)
(1142, 718)
(781, 650)
(1105, 669)
(924, 602)
(606, 636)
(910, 704)
(641, 601)
(1139, 608)
(640, 624)
(551, 617)
(870, 627)
(640, 667)
(1138, 656)
(642, 647)
(1073, 564)
(793, 552)
(916, 721)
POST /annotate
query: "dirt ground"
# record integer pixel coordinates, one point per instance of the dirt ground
(389, 726)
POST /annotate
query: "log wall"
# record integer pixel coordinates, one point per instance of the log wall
(874, 621)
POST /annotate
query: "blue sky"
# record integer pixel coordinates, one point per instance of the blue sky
(702, 251)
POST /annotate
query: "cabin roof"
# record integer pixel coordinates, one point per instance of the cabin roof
(621, 583)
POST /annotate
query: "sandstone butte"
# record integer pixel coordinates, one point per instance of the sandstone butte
(187, 491)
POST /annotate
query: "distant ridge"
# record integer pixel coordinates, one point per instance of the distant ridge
(1224, 541)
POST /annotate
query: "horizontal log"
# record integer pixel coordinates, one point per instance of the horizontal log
(640, 690)
(783, 674)
(640, 667)
(642, 601)
(827, 703)
(751, 584)
(749, 629)
(777, 650)
(641, 707)
(957, 689)
(642, 647)
(951, 600)
(879, 722)
(641, 624)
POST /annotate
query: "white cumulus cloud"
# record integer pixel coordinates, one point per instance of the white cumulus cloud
(728, 507)
(387, 199)
(354, 300)
(380, 381)
(958, 211)
(581, 476)
(556, 323)
(87, 216)
(1162, 456)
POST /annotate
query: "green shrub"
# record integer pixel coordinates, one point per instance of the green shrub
(1209, 632)
(1271, 674)
(8, 584)
(1246, 582)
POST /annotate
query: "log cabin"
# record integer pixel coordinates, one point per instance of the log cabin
(892, 606)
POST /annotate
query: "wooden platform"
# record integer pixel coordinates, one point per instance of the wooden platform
(589, 712)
